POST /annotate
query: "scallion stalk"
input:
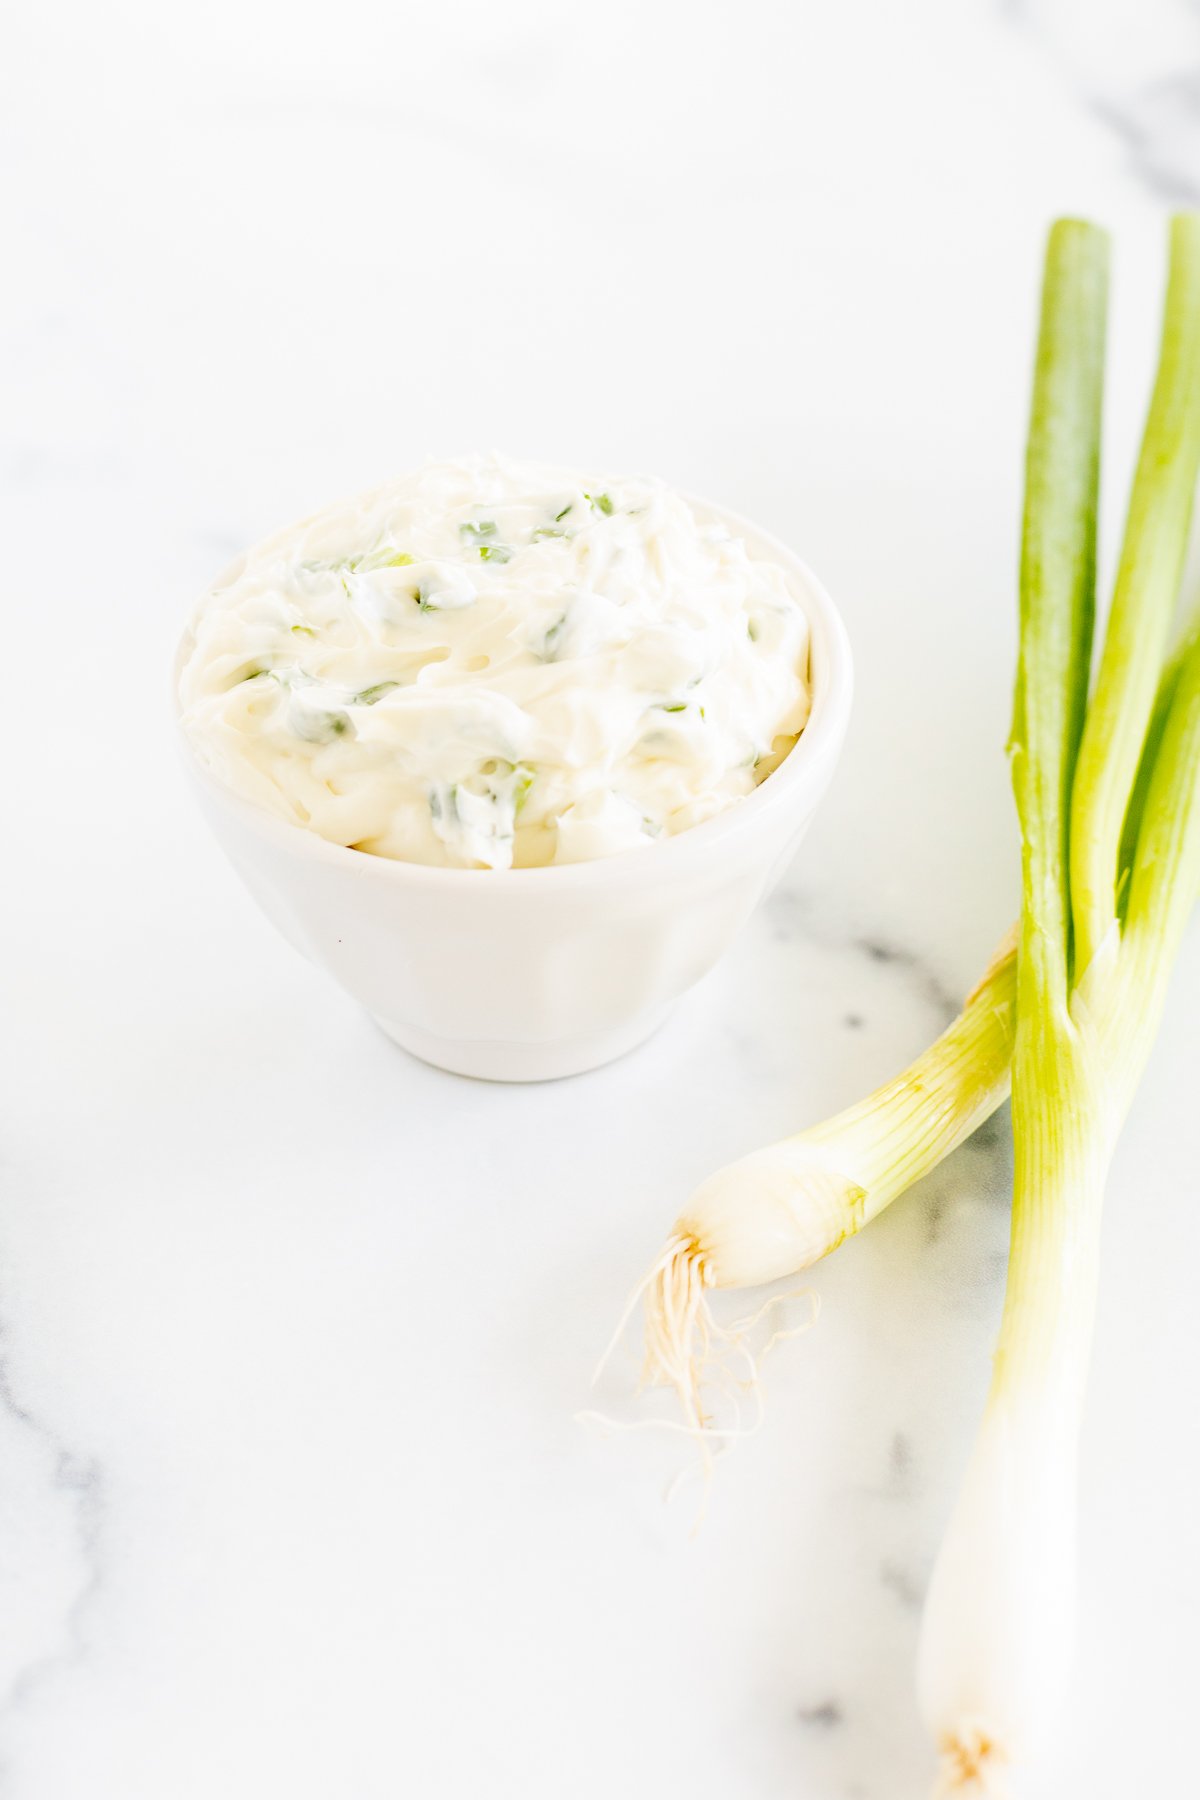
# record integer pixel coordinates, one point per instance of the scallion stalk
(1107, 787)
(778, 1210)
(997, 1635)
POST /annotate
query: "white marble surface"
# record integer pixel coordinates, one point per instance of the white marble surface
(292, 1496)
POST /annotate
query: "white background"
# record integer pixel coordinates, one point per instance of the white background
(293, 1500)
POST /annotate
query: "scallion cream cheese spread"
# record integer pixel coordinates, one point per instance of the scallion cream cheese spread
(493, 665)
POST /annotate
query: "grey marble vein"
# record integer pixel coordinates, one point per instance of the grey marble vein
(1160, 127)
(80, 1480)
(900, 1464)
(77, 1482)
(792, 913)
(1155, 118)
(824, 1715)
(901, 1582)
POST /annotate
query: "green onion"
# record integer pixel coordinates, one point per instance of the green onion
(385, 557)
(319, 727)
(443, 802)
(1143, 605)
(523, 780)
(997, 1636)
(553, 640)
(1110, 825)
(370, 695)
(479, 534)
(779, 1210)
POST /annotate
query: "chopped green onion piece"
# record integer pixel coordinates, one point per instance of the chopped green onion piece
(385, 557)
(443, 802)
(552, 642)
(522, 782)
(320, 727)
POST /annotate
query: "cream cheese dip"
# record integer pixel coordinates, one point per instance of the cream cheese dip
(488, 664)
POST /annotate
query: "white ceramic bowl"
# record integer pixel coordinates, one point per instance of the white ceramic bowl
(528, 974)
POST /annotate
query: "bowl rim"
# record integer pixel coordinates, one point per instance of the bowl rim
(807, 766)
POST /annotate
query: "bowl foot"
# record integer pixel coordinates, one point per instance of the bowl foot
(490, 1060)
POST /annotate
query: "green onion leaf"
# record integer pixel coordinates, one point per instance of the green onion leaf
(1147, 585)
(1058, 577)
